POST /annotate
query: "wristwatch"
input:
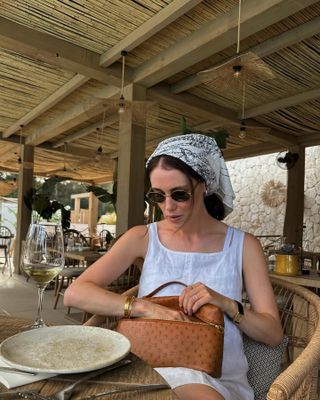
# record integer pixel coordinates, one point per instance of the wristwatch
(239, 314)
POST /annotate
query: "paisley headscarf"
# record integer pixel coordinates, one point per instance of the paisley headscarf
(202, 154)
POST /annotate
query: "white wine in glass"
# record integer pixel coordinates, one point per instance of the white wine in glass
(43, 259)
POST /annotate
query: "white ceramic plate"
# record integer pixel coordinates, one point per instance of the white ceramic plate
(64, 349)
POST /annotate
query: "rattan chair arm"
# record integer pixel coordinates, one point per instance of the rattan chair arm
(288, 382)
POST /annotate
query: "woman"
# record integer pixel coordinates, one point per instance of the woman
(191, 185)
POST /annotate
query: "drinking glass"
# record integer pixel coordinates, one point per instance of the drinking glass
(43, 259)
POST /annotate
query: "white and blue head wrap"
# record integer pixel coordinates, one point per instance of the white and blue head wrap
(202, 154)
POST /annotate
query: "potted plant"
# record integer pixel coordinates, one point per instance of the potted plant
(39, 200)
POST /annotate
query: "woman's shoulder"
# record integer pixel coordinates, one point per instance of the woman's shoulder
(137, 232)
(134, 241)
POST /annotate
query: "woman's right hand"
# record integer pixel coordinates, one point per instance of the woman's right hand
(147, 309)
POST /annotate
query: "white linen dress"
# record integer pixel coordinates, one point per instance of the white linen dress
(221, 271)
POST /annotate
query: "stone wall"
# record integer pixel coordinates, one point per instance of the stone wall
(259, 207)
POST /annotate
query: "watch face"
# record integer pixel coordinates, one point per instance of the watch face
(238, 317)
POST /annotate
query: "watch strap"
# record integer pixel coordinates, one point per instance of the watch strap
(239, 314)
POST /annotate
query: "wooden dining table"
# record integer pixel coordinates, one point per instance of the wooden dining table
(85, 255)
(137, 372)
(311, 280)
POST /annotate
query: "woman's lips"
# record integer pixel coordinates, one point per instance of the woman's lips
(173, 218)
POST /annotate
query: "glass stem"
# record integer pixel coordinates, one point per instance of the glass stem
(39, 320)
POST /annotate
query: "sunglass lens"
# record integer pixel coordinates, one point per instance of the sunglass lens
(180, 195)
(155, 197)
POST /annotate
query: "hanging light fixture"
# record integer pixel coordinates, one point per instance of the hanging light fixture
(243, 133)
(142, 110)
(246, 66)
(99, 132)
(20, 146)
(237, 70)
(122, 101)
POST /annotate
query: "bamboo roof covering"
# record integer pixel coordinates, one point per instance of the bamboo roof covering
(60, 77)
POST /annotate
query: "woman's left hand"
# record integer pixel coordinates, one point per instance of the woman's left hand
(196, 295)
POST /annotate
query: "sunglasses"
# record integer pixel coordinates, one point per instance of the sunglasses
(179, 195)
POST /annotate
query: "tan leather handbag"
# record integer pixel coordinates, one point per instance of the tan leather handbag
(196, 344)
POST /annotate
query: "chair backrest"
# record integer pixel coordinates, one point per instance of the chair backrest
(5, 236)
(105, 238)
(76, 236)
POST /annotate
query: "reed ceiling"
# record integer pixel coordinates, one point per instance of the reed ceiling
(60, 77)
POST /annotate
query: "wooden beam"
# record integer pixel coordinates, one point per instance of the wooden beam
(282, 103)
(80, 152)
(203, 108)
(252, 151)
(49, 102)
(152, 26)
(270, 46)
(221, 116)
(199, 127)
(215, 36)
(78, 114)
(312, 139)
(55, 51)
(86, 131)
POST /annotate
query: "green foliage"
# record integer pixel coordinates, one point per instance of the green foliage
(103, 195)
(39, 200)
(184, 128)
(220, 136)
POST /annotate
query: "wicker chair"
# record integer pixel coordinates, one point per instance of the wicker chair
(300, 316)
(5, 248)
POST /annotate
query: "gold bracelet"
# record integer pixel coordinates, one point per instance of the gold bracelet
(128, 306)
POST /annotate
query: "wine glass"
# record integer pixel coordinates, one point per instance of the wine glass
(43, 259)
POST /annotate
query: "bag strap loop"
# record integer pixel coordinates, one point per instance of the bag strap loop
(163, 286)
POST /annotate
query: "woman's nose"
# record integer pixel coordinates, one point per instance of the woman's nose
(170, 204)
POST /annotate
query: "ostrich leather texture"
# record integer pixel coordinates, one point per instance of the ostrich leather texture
(196, 344)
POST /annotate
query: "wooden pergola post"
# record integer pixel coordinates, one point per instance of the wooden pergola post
(25, 183)
(293, 223)
(131, 165)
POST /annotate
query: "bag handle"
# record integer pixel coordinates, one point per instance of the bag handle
(163, 286)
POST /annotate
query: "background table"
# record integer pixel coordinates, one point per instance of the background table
(137, 372)
(89, 256)
(310, 280)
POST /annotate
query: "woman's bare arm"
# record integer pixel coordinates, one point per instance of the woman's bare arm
(262, 321)
(88, 291)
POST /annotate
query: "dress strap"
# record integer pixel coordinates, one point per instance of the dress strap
(229, 238)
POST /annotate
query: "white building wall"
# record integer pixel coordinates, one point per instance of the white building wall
(8, 213)
(248, 177)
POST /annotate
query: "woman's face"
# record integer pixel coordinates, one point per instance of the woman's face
(166, 181)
